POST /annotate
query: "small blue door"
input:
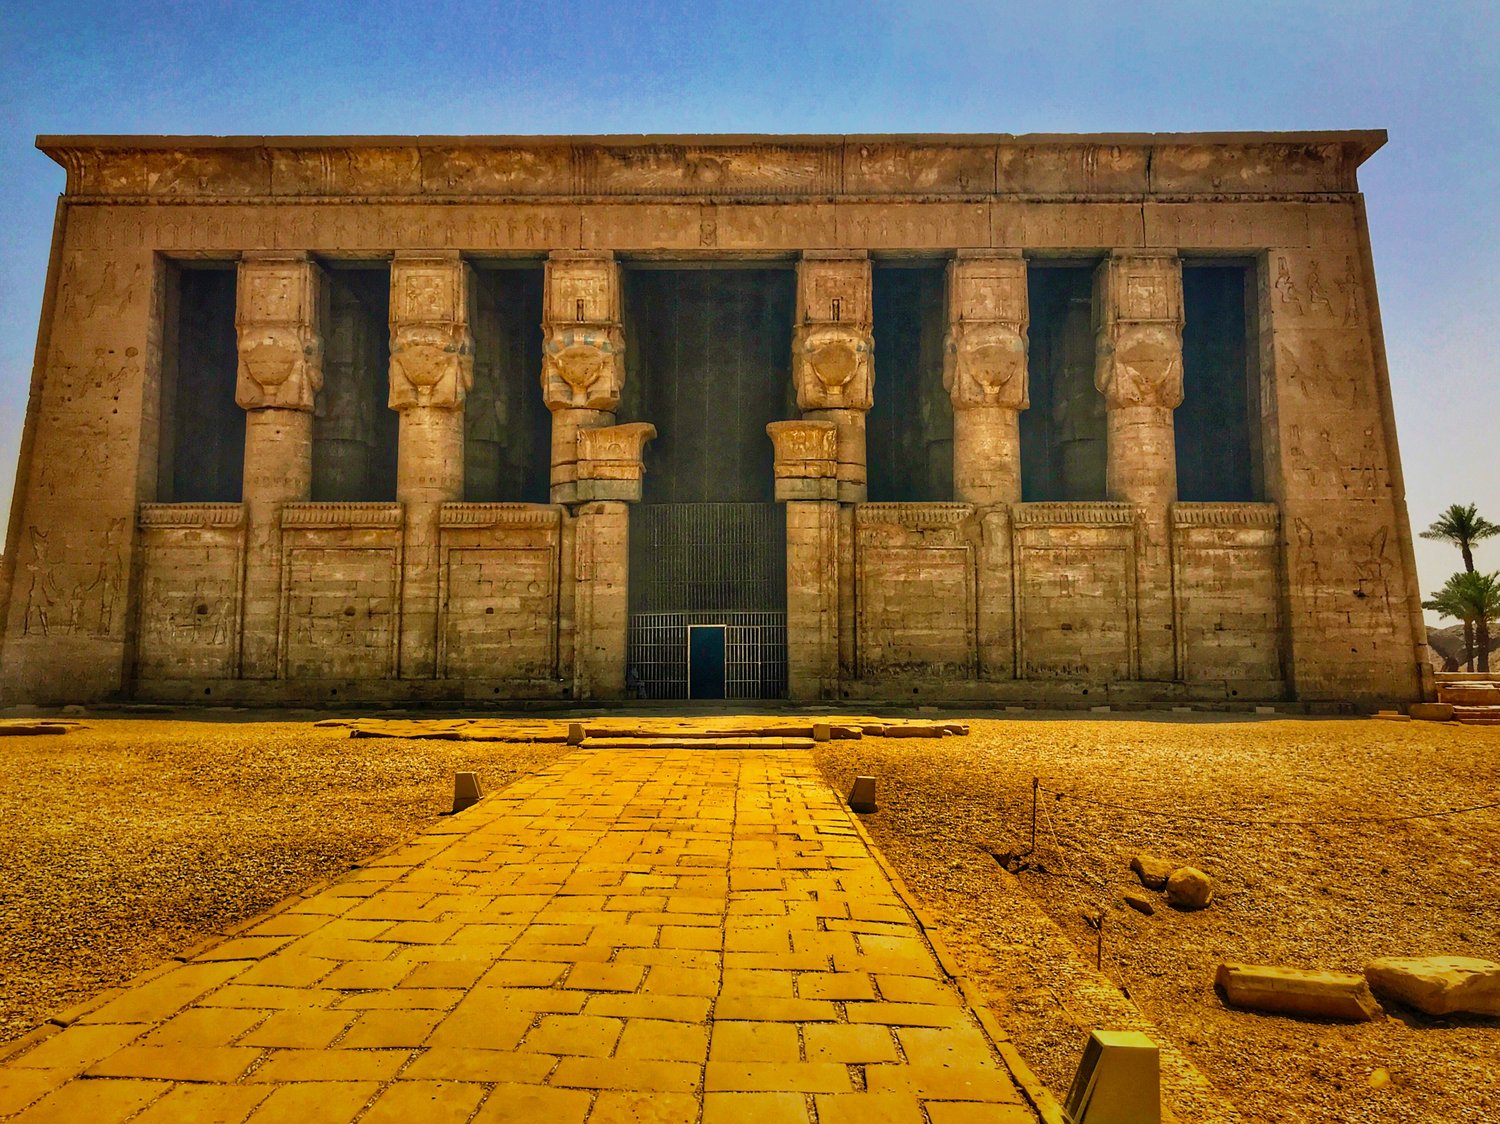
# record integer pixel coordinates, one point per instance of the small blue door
(706, 661)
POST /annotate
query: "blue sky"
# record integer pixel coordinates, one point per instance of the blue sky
(1429, 73)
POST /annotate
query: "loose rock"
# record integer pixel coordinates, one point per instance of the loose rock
(1296, 991)
(1139, 902)
(1439, 985)
(1189, 888)
(1152, 871)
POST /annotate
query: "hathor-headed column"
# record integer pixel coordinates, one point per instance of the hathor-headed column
(1138, 369)
(432, 369)
(583, 355)
(278, 310)
(833, 356)
(984, 372)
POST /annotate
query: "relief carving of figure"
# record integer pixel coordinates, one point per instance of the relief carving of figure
(41, 591)
(1286, 287)
(832, 366)
(1317, 294)
(1353, 292)
(984, 364)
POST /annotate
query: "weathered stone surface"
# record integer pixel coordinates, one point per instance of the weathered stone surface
(1189, 888)
(1296, 991)
(1431, 712)
(1439, 985)
(1139, 902)
(862, 795)
(1152, 871)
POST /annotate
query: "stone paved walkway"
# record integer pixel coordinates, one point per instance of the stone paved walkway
(692, 936)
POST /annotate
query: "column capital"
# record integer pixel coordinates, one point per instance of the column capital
(278, 307)
(583, 342)
(1138, 329)
(806, 459)
(610, 461)
(832, 344)
(984, 353)
(432, 350)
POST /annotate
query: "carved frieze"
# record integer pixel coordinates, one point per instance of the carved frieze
(432, 349)
(583, 346)
(277, 316)
(984, 354)
(1138, 330)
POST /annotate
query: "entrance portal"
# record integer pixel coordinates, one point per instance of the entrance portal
(709, 364)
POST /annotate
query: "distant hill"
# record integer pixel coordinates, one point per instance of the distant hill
(1446, 646)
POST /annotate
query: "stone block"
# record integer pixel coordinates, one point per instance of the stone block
(1297, 991)
(466, 790)
(1439, 985)
(862, 795)
(1431, 712)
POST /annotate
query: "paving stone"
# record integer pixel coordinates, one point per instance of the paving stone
(586, 1035)
(605, 977)
(314, 1102)
(627, 1074)
(528, 1104)
(330, 1065)
(364, 975)
(390, 1029)
(465, 1063)
(959, 1112)
(662, 1040)
(644, 1108)
(165, 995)
(79, 1046)
(20, 1087)
(204, 1026)
(853, 1045)
(97, 1102)
(306, 1029)
(204, 1104)
(178, 1063)
(754, 1042)
(868, 1108)
(287, 971)
(835, 985)
(452, 974)
(754, 1077)
(430, 1102)
(761, 1108)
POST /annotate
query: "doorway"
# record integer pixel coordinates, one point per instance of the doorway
(706, 661)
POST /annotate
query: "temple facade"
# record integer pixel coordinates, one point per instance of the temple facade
(1038, 420)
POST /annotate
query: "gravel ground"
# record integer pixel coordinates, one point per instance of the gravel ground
(1317, 896)
(127, 840)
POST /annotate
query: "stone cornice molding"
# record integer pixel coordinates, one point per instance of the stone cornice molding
(1225, 514)
(1140, 166)
(498, 514)
(913, 514)
(191, 514)
(340, 515)
(1072, 514)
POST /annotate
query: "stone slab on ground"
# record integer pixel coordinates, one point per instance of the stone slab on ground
(1297, 991)
(697, 935)
(1439, 985)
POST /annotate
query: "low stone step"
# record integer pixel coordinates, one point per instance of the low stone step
(1297, 991)
(670, 742)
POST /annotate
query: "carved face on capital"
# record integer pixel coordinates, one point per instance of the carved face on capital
(985, 365)
(1143, 366)
(582, 369)
(431, 365)
(280, 365)
(832, 367)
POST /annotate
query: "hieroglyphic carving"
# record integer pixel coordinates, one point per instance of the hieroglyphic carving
(1304, 298)
(610, 465)
(276, 315)
(1138, 336)
(432, 349)
(583, 346)
(984, 353)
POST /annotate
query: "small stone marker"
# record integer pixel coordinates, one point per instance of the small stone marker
(822, 732)
(1189, 888)
(1296, 991)
(1391, 716)
(1439, 985)
(862, 795)
(575, 733)
(1265, 710)
(1431, 712)
(1152, 871)
(466, 791)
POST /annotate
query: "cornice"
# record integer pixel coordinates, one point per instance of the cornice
(610, 169)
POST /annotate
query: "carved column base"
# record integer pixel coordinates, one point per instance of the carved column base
(987, 455)
(278, 471)
(812, 599)
(429, 474)
(601, 563)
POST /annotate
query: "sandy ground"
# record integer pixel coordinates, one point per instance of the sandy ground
(1309, 895)
(126, 841)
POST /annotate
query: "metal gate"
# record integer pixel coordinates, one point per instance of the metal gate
(707, 564)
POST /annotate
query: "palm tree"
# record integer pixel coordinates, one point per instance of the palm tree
(1463, 526)
(1473, 598)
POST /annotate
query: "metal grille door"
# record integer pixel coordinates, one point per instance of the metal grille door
(708, 564)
